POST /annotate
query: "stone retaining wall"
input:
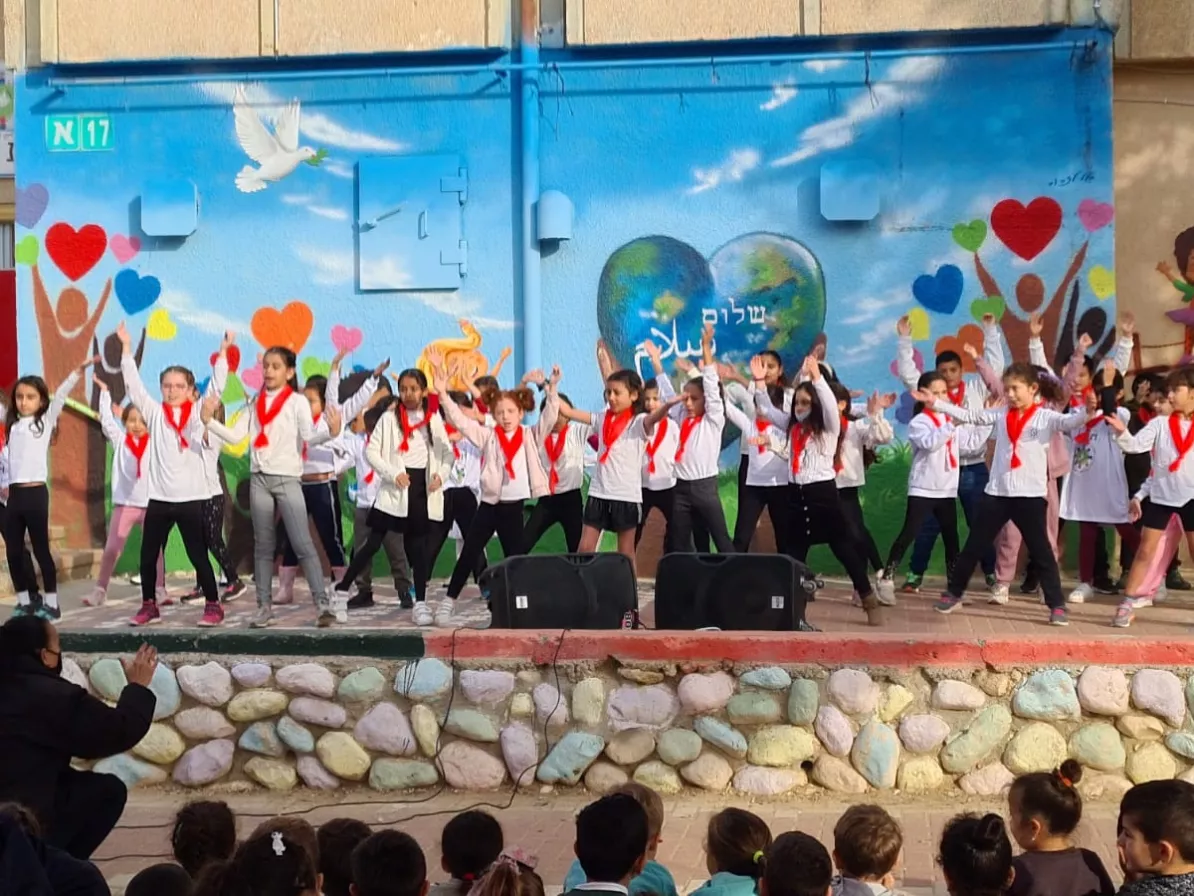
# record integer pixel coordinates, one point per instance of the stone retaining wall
(756, 730)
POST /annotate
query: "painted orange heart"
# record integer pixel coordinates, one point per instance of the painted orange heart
(969, 334)
(289, 328)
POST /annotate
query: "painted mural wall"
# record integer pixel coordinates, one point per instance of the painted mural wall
(793, 204)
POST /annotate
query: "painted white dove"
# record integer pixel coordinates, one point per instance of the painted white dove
(276, 154)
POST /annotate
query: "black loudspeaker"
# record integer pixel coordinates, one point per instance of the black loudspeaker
(577, 591)
(732, 592)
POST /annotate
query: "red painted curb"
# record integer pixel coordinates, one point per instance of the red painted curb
(546, 647)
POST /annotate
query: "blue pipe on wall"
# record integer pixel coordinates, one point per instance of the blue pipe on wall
(532, 294)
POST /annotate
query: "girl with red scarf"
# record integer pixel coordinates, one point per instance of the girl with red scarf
(562, 452)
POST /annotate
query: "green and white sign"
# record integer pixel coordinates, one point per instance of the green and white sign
(83, 132)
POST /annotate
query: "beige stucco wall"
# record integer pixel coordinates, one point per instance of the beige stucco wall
(318, 27)
(870, 16)
(1162, 29)
(88, 31)
(646, 21)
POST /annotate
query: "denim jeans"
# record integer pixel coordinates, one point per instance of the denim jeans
(972, 480)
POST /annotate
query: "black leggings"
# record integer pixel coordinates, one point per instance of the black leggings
(460, 506)
(751, 501)
(415, 529)
(504, 518)
(1027, 515)
(213, 537)
(696, 501)
(26, 559)
(160, 518)
(917, 510)
(29, 512)
(816, 517)
(566, 508)
(662, 501)
(852, 507)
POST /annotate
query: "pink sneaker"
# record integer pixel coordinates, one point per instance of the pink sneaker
(213, 615)
(147, 615)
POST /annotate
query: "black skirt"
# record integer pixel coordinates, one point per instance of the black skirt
(416, 521)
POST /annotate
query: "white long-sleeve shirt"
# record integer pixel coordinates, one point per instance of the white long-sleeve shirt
(818, 456)
(1096, 488)
(330, 456)
(861, 434)
(175, 470)
(209, 446)
(29, 441)
(286, 434)
(1169, 488)
(936, 447)
(1030, 478)
(703, 446)
(763, 466)
(128, 488)
(570, 465)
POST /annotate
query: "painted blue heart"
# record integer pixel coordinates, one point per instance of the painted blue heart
(136, 293)
(939, 292)
(905, 411)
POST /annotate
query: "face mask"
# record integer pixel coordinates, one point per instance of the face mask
(801, 414)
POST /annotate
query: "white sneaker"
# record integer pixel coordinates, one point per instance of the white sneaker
(444, 611)
(1160, 595)
(421, 614)
(1081, 594)
(885, 588)
(340, 607)
(998, 594)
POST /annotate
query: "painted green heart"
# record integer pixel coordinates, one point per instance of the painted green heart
(971, 236)
(992, 305)
(315, 367)
(27, 250)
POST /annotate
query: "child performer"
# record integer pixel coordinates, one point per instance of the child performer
(279, 425)
(659, 468)
(35, 599)
(765, 484)
(29, 424)
(860, 437)
(1016, 490)
(562, 452)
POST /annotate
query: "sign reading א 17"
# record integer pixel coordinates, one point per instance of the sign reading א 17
(82, 132)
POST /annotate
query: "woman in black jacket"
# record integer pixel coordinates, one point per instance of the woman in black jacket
(45, 721)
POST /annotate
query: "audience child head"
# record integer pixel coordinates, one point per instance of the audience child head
(796, 865)
(1045, 808)
(337, 839)
(976, 855)
(652, 804)
(611, 839)
(508, 877)
(736, 842)
(160, 880)
(296, 829)
(269, 863)
(204, 832)
(470, 843)
(868, 845)
(389, 863)
(1156, 836)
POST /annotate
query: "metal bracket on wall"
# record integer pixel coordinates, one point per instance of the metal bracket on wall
(552, 27)
(458, 184)
(458, 257)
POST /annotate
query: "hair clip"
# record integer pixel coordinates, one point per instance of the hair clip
(279, 846)
(1064, 780)
(522, 857)
(758, 856)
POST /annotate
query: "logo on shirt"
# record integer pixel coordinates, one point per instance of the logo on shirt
(1084, 458)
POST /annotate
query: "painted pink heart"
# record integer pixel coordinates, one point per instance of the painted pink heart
(346, 339)
(125, 248)
(917, 358)
(1095, 215)
(252, 377)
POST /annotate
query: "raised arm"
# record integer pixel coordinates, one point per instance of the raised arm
(149, 407)
(58, 399)
(231, 434)
(219, 370)
(715, 406)
(993, 343)
(551, 407)
(1143, 441)
(876, 428)
(1069, 422)
(1122, 355)
(469, 428)
(737, 417)
(829, 413)
(108, 422)
(905, 356)
(985, 417)
(775, 416)
(992, 377)
(651, 420)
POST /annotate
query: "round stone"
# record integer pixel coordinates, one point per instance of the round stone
(631, 747)
(551, 707)
(209, 684)
(1103, 691)
(313, 711)
(342, 755)
(641, 676)
(853, 691)
(252, 675)
(522, 706)
(876, 754)
(203, 723)
(834, 731)
(295, 735)
(770, 678)
(980, 740)
(262, 738)
(424, 679)
(588, 701)
(205, 764)
(426, 728)
(753, 708)
(362, 686)
(754, 780)
(272, 774)
(471, 725)
(721, 735)
(487, 687)
(803, 699)
(107, 678)
(835, 775)
(679, 745)
(75, 675)
(920, 774)
(654, 707)
(401, 774)
(314, 775)
(990, 780)
(161, 745)
(602, 777)
(384, 728)
(659, 777)
(994, 684)
(1098, 746)
(249, 706)
(957, 695)
(896, 699)
(570, 758)
(705, 693)
(1151, 762)
(165, 687)
(1047, 696)
(923, 732)
(1141, 727)
(1182, 743)
(520, 752)
(781, 746)
(1037, 747)
(310, 679)
(1159, 691)
(709, 771)
(1104, 787)
(466, 766)
(133, 772)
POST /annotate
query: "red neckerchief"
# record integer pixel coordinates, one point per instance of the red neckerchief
(136, 448)
(2, 433)
(1144, 414)
(612, 426)
(837, 460)
(949, 445)
(1083, 438)
(761, 427)
(687, 425)
(1181, 445)
(407, 429)
(184, 412)
(452, 430)
(554, 452)
(510, 445)
(797, 439)
(267, 412)
(1078, 399)
(957, 394)
(1016, 421)
(369, 477)
(315, 425)
(653, 445)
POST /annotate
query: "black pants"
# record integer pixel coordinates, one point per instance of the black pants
(323, 506)
(213, 537)
(852, 507)
(816, 516)
(416, 535)
(26, 561)
(29, 512)
(918, 509)
(460, 506)
(751, 501)
(86, 808)
(160, 518)
(661, 500)
(566, 508)
(697, 499)
(504, 518)
(1027, 515)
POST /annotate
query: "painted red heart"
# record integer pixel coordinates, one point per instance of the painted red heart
(233, 358)
(76, 252)
(1027, 231)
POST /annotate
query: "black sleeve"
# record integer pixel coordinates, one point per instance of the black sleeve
(1135, 424)
(1107, 401)
(98, 730)
(1095, 864)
